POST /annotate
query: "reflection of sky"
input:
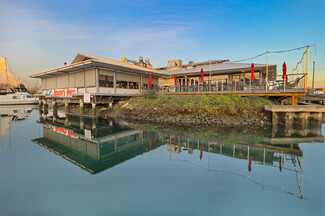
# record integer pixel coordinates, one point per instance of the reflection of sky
(37, 182)
(31, 34)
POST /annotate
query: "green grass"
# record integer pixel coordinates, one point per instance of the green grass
(230, 105)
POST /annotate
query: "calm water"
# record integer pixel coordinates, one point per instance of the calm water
(83, 167)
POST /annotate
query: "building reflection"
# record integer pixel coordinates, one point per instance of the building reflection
(10, 115)
(97, 144)
(94, 144)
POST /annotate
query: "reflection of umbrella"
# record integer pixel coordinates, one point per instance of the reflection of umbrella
(175, 81)
(201, 153)
(150, 81)
(202, 76)
(250, 163)
(281, 163)
(150, 143)
(284, 70)
(175, 140)
(252, 72)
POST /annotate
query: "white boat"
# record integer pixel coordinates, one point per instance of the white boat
(15, 98)
(12, 95)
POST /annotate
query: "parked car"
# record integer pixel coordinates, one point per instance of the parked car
(316, 91)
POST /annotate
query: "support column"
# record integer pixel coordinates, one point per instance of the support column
(55, 110)
(66, 120)
(294, 100)
(45, 109)
(93, 109)
(275, 118)
(82, 123)
(97, 79)
(82, 110)
(66, 107)
(114, 81)
(110, 106)
(288, 120)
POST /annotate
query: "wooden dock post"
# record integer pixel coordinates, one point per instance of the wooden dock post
(82, 123)
(93, 109)
(66, 107)
(82, 110)
(55, 110)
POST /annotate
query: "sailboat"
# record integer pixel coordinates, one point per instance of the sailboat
(11, 95)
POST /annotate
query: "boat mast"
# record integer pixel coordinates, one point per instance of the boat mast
(7, 74)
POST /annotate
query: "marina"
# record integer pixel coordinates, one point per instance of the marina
(265, 162)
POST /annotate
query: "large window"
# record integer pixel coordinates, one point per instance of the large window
(106, 81)
(127, 85)
(121, 84)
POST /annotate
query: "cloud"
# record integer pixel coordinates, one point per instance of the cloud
(34, 41)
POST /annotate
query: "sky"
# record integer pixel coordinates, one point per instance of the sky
(36, 36)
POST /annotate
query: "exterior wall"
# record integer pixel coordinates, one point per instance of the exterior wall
(62, 81)
(127, 91)
(106, 72)
(51, 83)
(72, 83)
(79, 79)
(90, 78)
(89, 90)
(106, 90)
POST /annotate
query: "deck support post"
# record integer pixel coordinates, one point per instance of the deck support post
(82, 123)
(55, 110)
(66, 107)
(82, 110)
(93, 109)
(66, 120)
(275, 118)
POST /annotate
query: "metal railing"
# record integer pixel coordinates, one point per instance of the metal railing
(295, 83)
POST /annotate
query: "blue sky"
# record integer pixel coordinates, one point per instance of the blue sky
(40, 35)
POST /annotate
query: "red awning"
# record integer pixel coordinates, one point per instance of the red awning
(252, 72)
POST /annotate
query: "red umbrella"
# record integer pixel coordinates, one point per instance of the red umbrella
(175, 80)
(150, 81)
(252, 72)
(250, 164)
(150, 143)
(284, 70)
(201, 153)
(202, 76)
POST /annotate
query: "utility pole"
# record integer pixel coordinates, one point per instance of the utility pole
(306, 70)
(313, 84)
(267, 70)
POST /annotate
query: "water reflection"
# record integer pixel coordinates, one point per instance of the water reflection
(96, 145)
(10, 115)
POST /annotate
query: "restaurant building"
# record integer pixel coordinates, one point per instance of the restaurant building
(97, 75)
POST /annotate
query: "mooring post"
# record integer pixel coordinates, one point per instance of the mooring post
(288, 119)
(94, 123)
(93, 109)
(82, 123)
(82, 110)
(66, 120)
(45, 107)
(275, 118)
(55, 110)
(66, 107)
(110, 106)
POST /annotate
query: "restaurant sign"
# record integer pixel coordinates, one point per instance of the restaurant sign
(62, 92)
(63, 131)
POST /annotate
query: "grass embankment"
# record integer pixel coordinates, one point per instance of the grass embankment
(208, 110)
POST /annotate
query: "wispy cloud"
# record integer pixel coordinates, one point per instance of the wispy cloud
(34, 42)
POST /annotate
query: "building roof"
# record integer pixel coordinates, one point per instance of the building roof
(219, 68)
(84, 61)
